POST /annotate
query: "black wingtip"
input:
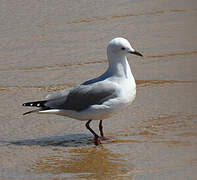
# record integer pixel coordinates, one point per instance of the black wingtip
(26, 104)
(35, 104)
(29, 104)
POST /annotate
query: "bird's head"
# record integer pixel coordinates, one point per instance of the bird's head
(120, 47)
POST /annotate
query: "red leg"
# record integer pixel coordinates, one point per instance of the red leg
(101, 129)
(97, 140)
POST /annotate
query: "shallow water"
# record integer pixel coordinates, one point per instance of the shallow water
(51, 45)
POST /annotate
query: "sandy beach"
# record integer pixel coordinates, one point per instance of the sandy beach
(46, 46)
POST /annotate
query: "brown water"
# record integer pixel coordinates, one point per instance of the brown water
(47, 45)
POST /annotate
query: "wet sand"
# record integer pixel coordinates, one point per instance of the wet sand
(46, 46)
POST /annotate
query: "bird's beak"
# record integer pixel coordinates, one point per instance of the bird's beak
(136, 53)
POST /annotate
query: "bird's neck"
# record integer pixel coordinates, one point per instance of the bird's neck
(119, 67)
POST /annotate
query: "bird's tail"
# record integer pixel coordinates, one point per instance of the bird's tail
(40, 104)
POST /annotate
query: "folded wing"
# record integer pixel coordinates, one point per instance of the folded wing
(83, 96)
(78, 98)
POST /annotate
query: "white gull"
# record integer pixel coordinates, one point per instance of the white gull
(98, 98)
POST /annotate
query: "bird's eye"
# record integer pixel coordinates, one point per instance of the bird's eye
(123, 48)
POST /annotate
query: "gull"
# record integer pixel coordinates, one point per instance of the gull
(98, 98)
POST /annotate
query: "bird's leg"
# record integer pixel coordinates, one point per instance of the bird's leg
(101, 129)
(97, 140)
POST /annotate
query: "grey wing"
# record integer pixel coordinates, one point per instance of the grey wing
(58, 94)
(83, 96)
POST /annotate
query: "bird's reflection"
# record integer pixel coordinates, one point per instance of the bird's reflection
(86, 162)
